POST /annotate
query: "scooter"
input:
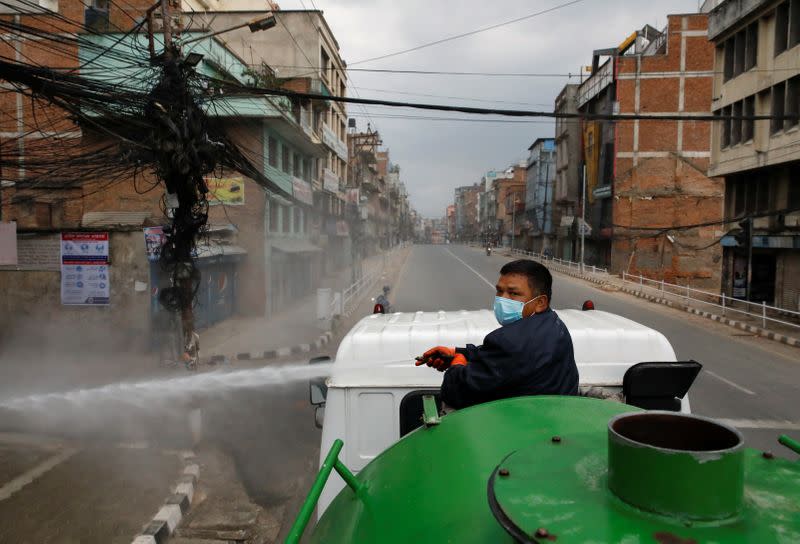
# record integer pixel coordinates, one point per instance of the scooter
(382, 304)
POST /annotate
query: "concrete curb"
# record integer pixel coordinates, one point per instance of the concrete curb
(175, 506)
(765, 333)
(322, 340)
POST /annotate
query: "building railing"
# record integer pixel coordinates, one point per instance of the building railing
(727, 305)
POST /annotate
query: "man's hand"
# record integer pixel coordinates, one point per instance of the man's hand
(441, 358)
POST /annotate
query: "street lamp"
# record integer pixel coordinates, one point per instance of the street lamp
(255, 25)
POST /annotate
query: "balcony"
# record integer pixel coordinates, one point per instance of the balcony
(330, 139)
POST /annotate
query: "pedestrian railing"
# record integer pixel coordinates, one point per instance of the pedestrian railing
(344, 303)
(691, 296)
(561, 263)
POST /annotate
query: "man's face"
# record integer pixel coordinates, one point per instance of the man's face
(516, 287)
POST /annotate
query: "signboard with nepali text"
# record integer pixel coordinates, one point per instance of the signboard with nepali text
(302, 191)
(227, 191)
(85, 272)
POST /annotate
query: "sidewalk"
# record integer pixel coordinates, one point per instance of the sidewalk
(293, 331)
(780, 333)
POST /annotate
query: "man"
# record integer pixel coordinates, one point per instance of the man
(531, 354)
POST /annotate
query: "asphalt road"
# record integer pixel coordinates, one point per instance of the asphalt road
(751, 381)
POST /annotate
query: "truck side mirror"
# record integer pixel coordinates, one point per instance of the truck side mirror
(317, 391)
(319, 416)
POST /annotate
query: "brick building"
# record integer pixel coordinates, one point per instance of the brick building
(652, 173)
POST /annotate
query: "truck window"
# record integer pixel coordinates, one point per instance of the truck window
(411, 409)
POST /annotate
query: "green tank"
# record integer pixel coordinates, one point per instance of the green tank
(563, 469)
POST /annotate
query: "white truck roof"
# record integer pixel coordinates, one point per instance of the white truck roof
(379, 350)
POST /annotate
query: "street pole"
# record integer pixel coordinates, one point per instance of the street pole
(513, 217)
(749, 256)
(544, 218)
(581, 227)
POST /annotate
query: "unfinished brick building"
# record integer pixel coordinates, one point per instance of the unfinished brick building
(660, 166)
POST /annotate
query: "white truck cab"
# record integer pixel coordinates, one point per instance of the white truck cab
(374, 393)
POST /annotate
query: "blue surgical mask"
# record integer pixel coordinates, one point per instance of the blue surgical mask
(508, 311)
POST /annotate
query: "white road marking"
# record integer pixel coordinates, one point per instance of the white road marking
(762, 424)
(459, 259)
(727, 381)
(24, 479)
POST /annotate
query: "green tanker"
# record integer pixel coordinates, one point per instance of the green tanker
(566, 470)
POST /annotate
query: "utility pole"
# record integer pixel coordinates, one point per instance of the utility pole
(544, 211)
(513, 217)
(581, 226)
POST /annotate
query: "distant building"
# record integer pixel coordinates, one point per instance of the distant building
(540, 177)
(757, 72)
(506, 206)
(466, 203)
(567, 181)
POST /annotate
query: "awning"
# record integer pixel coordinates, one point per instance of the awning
(294, 245)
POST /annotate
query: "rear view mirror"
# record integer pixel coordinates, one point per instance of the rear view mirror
(317, 391)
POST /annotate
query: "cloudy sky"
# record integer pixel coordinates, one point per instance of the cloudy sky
(436, 156)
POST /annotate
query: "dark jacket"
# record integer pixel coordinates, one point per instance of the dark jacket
(532, 356)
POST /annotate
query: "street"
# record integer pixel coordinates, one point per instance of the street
(268, 433)
(751, 381)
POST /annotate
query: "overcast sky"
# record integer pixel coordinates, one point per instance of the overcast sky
(437, 156)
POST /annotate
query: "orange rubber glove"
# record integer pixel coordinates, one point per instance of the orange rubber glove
(441, 358)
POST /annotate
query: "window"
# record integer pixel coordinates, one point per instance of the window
(726, 126)
(762, 195)
(285, 159)
(748, 125)
(272, 150)
(728, 48)
(751, 52)
(307, 169)
(286, 212)
(778, 103)
(297, 213)
(297, 165)
(325, 63)
(794, 23)
(736, 124)
(792, 101)
(738, 198)
(740, 48)
(781, 28)
(273, 216)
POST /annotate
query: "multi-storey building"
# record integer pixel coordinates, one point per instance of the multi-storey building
(660, 167)
(539, 206)
(757, 72)
(649, 174)
(567, 181)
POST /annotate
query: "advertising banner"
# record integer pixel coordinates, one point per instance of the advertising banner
(84, 269)
(227, 191)
(302, 191)
(154, 239)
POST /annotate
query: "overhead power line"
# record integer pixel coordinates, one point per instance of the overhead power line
(470, 33)
(241, 89)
